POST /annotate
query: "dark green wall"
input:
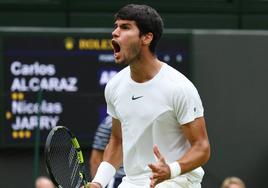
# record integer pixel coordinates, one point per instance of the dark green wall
(194, 14)
(230, 71)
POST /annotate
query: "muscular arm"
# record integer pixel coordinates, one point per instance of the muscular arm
(95, 160)
(196, 156)
(199, 152)
(113, 152)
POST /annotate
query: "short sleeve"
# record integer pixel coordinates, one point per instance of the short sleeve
(109, 97)
(187, 103)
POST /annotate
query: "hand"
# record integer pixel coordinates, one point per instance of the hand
(160, 170)
(92, 185)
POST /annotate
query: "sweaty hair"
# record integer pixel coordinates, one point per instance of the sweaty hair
(147, 20)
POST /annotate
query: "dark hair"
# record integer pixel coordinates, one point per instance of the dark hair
(147, 20)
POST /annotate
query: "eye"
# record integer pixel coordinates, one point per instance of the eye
(124, 26)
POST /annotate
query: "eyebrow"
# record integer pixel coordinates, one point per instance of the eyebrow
(122, 24)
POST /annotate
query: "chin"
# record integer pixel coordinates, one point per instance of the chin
(118, 61)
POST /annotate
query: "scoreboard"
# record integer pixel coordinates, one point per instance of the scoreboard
(52, 77)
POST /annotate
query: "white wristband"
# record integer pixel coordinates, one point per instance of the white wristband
(104, 174)
(175, 169)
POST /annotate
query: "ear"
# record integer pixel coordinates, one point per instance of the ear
(147, 39)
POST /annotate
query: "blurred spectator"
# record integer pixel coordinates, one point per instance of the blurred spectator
(43, 182)
(233, 182)
(101, 139)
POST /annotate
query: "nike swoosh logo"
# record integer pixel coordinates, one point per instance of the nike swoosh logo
(134, 98)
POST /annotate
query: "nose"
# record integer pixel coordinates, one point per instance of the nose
(115, 33)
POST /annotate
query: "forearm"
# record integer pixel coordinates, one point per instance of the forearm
(113, 153)
(95, 160)
(199, 152)
(112, 159)
(196, 156)
(93, 170)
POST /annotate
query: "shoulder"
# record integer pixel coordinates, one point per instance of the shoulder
(113, 82)
(176, 78)
(178, 86)
(116, 78)
(116, 82)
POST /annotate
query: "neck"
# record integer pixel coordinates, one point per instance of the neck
(145, 69)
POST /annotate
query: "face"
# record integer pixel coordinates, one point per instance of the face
(126, 42)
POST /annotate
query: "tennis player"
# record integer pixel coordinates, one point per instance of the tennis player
(158, 130)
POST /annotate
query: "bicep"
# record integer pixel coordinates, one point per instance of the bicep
(113, 152)
(195, 131)
(116, 129)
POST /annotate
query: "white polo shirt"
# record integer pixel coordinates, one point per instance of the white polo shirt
(152, 113)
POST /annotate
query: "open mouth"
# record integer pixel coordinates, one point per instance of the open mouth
(116, 46)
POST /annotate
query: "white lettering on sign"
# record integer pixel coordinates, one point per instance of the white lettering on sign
(47, 84)
(31, 122)
(106, 76)
(19, 69)
(22, 107)
(106, 58)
